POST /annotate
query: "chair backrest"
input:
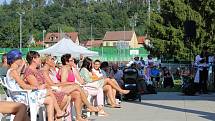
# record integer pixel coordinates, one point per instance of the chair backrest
(130, 76)
(12, 92)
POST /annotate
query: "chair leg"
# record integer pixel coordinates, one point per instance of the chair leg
(33, 111)
(89, 99)
(12, 117)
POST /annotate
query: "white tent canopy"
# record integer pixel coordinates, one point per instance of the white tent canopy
(68, 46)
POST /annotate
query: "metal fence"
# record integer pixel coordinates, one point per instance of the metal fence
(105, 53)
(119, 55)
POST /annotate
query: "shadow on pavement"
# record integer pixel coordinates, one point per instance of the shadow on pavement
(203, 114)
(178, 96)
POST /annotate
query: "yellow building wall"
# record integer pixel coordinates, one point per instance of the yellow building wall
(134, 43)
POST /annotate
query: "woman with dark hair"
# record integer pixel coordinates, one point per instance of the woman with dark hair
(89, 77)
(34, 77)
(108, 90)
(42, 95)
(71, 88)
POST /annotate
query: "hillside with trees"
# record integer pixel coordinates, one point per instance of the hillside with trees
(164, 24)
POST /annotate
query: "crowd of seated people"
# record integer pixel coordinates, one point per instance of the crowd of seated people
(56, 88)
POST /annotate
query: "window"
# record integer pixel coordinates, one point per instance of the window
(114, 44)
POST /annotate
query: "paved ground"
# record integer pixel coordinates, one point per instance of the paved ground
(165, 106)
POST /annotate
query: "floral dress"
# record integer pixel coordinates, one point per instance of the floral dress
(41, 80)
(36, 96)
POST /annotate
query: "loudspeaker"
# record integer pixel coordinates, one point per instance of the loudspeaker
(190, 29)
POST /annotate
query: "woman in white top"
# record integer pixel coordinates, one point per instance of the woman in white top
(110, 87)
(41, 96)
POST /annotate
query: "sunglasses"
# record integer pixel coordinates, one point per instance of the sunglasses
(71, 60)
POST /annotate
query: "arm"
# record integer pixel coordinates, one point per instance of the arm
(77, 76)
(85, 75)
(14, 74)
(22, 67)
(33, 82)
(64, 74)
(47, 78)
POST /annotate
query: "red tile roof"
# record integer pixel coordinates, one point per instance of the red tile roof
(118, 35)
(94, 43)
(55, 37)
(39, 43)
(141, 39)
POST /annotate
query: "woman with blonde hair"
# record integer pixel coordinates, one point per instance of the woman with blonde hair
(71, 88)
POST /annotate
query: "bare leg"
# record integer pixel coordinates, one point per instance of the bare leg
(109, 91)
(50, 108)
(85, 101)
(114, 81)
(78, 104)
(17, 109)
(114, 93)
(59, 112)
(69, 88)
(116, 86)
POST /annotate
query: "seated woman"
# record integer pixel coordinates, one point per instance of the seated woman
(108, 90)
(87, 74)
(17, 109)
(42, 95)
(69, 67)
(66, 81)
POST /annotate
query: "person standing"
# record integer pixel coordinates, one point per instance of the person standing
(203, 71)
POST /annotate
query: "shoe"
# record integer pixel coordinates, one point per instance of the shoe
(115, 106)
(93, 110)
(64, 115)
(83, 116)
(102, 113)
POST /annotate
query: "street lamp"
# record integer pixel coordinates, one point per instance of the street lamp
(44, 31)
(20, 28)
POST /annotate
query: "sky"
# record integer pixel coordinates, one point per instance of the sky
(1, 1)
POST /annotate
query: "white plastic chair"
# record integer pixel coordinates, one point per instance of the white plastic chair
(92, 93)
(34, 108)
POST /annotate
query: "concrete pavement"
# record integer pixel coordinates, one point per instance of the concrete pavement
(164, 106)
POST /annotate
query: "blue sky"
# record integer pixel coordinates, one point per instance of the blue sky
(1, 1)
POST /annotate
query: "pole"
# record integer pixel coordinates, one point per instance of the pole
(91, 35)
(20, 33)
(44, 39)
(20, 28)
(149, 16)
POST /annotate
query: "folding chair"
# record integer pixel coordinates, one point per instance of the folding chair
(34, 108)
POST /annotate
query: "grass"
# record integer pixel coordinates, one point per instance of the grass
(1, 90)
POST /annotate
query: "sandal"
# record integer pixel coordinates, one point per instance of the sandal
(83, 116)
(82, 119)
(64, 115)
(92, 110)
(103, 113)
(115, 106)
